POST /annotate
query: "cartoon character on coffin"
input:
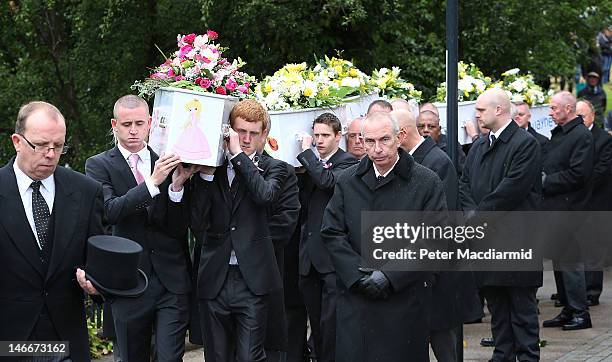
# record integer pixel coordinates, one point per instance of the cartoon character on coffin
(192, 143)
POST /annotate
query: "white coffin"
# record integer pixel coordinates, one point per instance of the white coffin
(541, 121)
(466, 113)
(284, 142)
(190, 124)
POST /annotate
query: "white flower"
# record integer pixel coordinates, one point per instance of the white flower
(200, 41)
(517, 98)
(512, 71)
(519, 85)
(350, 82)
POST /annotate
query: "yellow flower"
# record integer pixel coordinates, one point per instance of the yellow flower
(308, 92)
(324, 91)
(338, 69)
(268, 88)
(295, 67)
(353, 72)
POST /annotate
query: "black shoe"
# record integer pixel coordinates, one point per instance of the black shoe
(487, 342)
(576, 323)
(558, 304)
(558, 321)
(554, 296)
(592, 302)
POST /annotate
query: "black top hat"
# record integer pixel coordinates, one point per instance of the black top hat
(112, 266)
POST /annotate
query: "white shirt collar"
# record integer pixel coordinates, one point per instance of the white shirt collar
(417, 146)
(499, 131)
(24, 181)
(229, 157)
(388, 172)
(591, 127)
(144, 153)
(329, 156)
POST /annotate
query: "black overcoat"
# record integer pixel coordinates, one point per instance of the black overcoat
(504, 176)
(394, 329)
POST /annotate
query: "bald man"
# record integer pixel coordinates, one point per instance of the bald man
(502, 173)
(451, 306)
(428, 124)
(567, 168)
(354, 143)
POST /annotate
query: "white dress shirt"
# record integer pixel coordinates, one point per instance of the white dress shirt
(47, 190)
(377, 173)
(499, 132)
(417, 146)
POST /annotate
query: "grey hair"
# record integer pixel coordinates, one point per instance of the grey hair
(382, 116)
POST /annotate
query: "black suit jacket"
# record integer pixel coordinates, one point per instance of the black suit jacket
(241, 224)
(157, 224)
(318, 188)
(542, 140)
(601, 181)
(504, 177)
(568, 165)
(25, 289)
(431, 156)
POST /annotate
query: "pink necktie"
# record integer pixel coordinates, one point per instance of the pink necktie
(134, 166)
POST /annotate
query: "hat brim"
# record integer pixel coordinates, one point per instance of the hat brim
(137, 291)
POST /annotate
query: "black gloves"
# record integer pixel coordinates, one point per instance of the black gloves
(374, 286)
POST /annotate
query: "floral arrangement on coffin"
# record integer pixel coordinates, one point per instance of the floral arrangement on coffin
(297, 86)
(389, 84)
(343, 74)
(472, 82)
(198, 65)
(522, 88)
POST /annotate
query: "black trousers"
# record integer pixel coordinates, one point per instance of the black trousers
(320, 295)
(571, 287)
(594, 284)
(234, 323)
(159, 310)
(514, 323)
(296, 333)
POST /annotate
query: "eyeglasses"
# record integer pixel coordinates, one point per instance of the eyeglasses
(43, 150)
(430, 126)
(385, 141)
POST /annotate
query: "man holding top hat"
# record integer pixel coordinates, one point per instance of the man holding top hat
(143, 204)
(48, 213)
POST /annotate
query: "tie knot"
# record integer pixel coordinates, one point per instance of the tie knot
(133, 158)
(380, 178)
(36, 186)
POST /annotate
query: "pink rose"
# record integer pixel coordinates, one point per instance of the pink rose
(243, 89)
(231, 84)
(184, 51)
(205, 83)
(212, 34)
(179, 77)
(220, 90)
(159, 75)
(188, 39)
(171, 72)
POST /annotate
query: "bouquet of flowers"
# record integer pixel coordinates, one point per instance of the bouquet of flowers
(389, 84)
(472, 82)
(297, 86)
(343, 73)
(198, 65)
(521, 88)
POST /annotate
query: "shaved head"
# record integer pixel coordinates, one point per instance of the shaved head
(497, 97)
(429, 107)
(562, 107)
(493, 109)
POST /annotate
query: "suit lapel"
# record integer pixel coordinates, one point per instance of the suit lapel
(242, 187)
(66, 211)
(16, 222)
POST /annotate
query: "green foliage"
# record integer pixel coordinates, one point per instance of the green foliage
(83, 55)
(98, 346)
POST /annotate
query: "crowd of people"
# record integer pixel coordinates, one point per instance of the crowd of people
(277, 270)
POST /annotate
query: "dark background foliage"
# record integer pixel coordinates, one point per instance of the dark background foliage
(82, 55)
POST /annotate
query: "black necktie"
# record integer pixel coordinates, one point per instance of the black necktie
(380, 178)
(492, 140)
(40, 210)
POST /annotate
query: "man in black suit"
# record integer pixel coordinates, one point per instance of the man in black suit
(428, 124)
(48, 214)
(138, 199)
(317, 277)
(522, 118)
(230, 214)
(567, 168)
(601, 196)
(502, 173)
